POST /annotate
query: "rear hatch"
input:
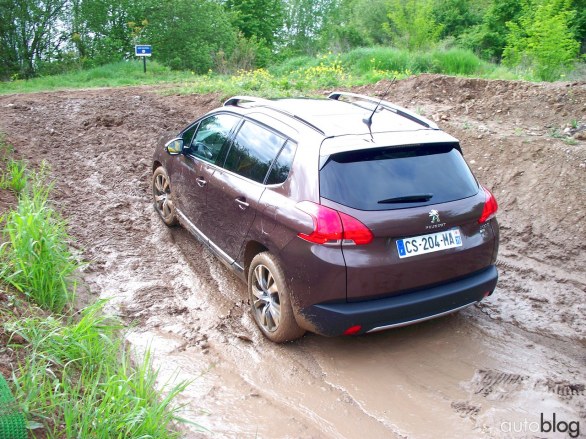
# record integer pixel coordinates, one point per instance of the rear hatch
(422, 205)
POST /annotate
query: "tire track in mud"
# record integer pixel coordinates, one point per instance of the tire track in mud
(521, 351)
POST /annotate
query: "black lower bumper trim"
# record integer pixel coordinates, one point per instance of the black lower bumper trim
(333, 319)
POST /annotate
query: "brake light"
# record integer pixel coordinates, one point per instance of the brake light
(490, 207)
(331, 226)
(354, 230)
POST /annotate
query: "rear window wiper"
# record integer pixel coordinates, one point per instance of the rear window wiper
(415, 198)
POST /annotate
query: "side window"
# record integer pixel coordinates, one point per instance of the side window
(282, 166)
(211, 135)
(252, 152)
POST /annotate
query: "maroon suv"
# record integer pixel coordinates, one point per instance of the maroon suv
(343, 215)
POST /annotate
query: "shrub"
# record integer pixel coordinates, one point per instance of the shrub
(542, 41)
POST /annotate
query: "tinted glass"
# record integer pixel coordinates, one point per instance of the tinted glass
(188, 135)
(253, 150)
(377, 179)
(281, 166)
(211, 135)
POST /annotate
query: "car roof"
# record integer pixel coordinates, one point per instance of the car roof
(341, 114)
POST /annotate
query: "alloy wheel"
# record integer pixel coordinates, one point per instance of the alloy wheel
(266, 300)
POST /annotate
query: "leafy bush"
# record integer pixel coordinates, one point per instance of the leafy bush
(412, 24)
(542, 41)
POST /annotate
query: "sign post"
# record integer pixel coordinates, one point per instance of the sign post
(143, 50)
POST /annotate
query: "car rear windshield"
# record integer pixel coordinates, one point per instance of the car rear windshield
(397, 177)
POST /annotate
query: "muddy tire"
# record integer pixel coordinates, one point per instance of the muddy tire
(270, 301)
(162, 197)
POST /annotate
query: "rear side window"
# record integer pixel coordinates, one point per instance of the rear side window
(397, 177)
(253, 150)
(282, 166)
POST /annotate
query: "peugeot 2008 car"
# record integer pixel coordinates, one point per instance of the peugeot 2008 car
(344, 215)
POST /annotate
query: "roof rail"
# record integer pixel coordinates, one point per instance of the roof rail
(235, 101)
(389, 106)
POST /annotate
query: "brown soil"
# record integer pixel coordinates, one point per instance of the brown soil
(520, 353)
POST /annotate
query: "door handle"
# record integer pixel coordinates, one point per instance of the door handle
(242, 204)
(200, 181)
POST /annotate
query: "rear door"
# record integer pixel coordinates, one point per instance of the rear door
(235, 189)
(422, 205)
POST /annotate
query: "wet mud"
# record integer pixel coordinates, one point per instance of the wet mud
(474, 374)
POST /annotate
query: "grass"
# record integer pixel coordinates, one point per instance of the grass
(34, 253)
(74, 378)
(294, 76)
(123, 73)
(14, 177)
(76, 383)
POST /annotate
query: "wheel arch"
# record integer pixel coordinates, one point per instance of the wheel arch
(252, 249)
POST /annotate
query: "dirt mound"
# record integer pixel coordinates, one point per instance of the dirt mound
(502, 358)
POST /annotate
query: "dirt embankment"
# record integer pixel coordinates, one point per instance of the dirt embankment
(520, 353)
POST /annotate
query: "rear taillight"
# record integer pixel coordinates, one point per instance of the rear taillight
(490, 207)
(331, 226)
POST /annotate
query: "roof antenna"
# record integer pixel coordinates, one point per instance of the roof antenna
(368, 120)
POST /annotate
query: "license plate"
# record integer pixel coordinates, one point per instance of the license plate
(434, 242)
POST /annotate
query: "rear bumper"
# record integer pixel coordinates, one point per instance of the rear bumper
(333, 319)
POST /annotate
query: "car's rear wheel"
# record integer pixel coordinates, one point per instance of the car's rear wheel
(270, 300)
(162, 197)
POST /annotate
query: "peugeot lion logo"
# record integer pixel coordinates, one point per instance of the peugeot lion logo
(434, 215)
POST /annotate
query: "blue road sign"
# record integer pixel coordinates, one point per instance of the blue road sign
(143, 50)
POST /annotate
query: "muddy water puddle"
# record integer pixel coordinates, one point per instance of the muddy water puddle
(462, 376)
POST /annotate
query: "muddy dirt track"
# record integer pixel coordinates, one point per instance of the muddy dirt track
(475, 374)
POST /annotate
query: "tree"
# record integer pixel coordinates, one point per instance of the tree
(578, 24)
(369, 18)
(261, 19)
(189, 34)
(542, 38)
(102, 31)
(30, 32)
(489, 38)
(303, 22)
(411, 24)
(455, 16)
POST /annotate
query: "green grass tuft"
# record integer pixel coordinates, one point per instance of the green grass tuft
(34, 253)
(75, 384)
(14, 177)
